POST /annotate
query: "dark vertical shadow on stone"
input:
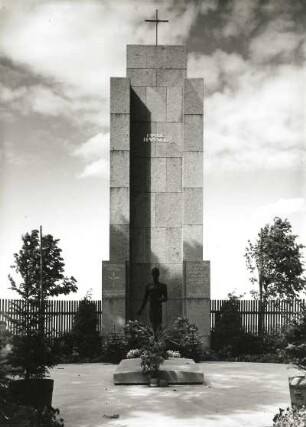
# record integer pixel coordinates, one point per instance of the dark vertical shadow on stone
(140, 202)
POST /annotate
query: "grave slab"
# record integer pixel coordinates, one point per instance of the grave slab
(174, 371)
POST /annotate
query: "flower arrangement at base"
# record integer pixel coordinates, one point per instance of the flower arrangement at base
(152, 357)
(133, 354)
(172, 354)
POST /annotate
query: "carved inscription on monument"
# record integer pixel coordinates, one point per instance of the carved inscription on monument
(155, 137)
(113, 279)
(197, 279)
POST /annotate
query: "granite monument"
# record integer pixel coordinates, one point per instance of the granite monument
(156, 189)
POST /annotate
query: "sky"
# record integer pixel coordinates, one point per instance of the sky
(56, 60)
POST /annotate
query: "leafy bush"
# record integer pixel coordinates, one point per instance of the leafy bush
(290, 417)
(31, 356)
(228, 328)
(230, 341)
(48, 417)
(183, 337)
(85, 337)
(62, 347)
(114, 348)
(262, 358)
(83, 343)
(251, 348)
(4, 371)
(13, 415)
(137, 334)
(5, 347)
(295, 335)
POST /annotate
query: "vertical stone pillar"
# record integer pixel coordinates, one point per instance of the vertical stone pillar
(115, 271)
(196, 271)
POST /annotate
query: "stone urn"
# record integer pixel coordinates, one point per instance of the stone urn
(297, 388)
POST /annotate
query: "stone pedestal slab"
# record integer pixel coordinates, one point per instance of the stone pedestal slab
(174, 371)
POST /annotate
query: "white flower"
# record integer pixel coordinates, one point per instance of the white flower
(132, 354)
(172, 353)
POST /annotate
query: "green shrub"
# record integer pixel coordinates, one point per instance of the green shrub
(5, 369)
(13, 415)
(228, 328)
(83, 343)
(31, 356)
(63, 348)
(183, 337)
(230, 341)
(249, 347)
(137, 334)
(85, 337)
(114, 348)
(295, 335)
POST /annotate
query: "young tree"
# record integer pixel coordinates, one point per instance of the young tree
(41, 275)
(275, 261)
(27, 264)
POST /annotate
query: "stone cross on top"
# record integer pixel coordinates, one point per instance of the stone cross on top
(157, 21)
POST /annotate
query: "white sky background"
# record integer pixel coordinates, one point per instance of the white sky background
(56, 59)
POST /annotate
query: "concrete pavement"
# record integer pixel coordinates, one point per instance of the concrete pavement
(235, 394)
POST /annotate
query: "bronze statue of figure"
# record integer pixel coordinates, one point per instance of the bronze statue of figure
(156, 293)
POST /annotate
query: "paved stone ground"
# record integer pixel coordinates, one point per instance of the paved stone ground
(235, 394)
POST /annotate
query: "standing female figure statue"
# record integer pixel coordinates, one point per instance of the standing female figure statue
(156, 293)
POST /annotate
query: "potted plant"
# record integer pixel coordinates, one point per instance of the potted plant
(40, 265)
